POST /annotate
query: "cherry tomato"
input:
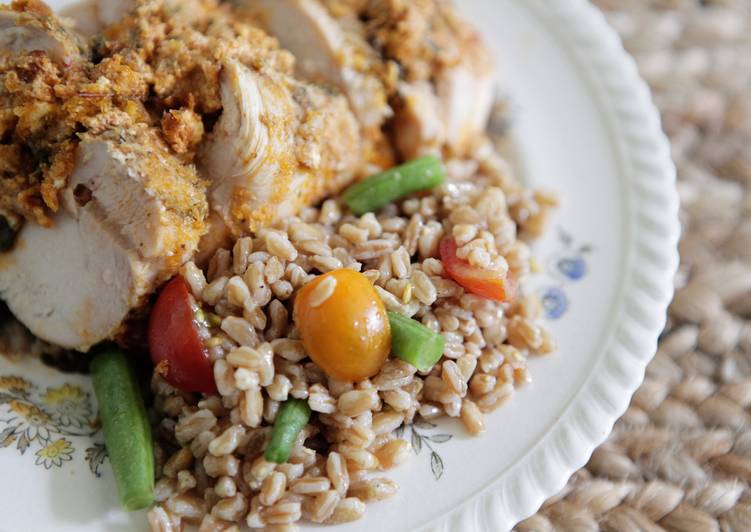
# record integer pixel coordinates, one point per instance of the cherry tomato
(343, 325)
(485, 283)
(176, 349)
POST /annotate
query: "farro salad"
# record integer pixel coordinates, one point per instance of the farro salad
(296, 210)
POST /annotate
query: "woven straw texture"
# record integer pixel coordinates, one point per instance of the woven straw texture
(680, 457)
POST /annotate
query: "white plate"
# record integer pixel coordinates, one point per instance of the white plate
(584, 125)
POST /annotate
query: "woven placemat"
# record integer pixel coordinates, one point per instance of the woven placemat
(680, 457)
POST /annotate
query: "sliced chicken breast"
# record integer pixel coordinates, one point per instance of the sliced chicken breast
(29, 26)
(327, 50)
(132, 215)
(279, 144)
(445, 93)
(72, 285)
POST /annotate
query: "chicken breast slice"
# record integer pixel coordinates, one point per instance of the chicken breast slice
(442, 104)
(279, 145)
(29, 26)
(326, 50)
(73, 285)
(132, 215)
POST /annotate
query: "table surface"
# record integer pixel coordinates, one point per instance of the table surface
(680, 457)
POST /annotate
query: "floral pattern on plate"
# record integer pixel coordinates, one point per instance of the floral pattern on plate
(49, 421)
(567, 265)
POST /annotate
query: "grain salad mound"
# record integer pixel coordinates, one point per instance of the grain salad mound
(210, 446)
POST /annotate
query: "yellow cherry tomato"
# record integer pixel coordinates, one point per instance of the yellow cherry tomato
(343, 325)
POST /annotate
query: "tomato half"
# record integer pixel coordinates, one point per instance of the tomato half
(486, 283)
(176, 348)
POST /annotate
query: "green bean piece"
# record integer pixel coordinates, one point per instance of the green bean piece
(414, 343)
(127, 433)
(381, 189)
(291, 418)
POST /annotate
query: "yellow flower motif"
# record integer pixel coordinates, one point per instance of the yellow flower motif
(69, 404)
(55, 453)
(33, 420)
(66, 392)
(13, 383)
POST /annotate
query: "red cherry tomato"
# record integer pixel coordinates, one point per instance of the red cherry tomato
(485, 283)
(176, 349)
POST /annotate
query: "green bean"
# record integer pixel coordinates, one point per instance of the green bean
(291, 418)
(127, 433)
(414, 343)
(380, 189)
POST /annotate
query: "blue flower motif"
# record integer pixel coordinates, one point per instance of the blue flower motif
(573, 267)
(554, 302)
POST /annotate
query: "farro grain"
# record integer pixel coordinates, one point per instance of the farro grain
(190, 426)
(231, 509)
(320, 400)
(325, 264)
(397, 399)
(492, 400)
(227, 442)
(353, 233)
(251, 407)
(279, 388)
(224, 377)
(161, 521)
(310, 485)
(185, 481)
(217, 466)
(246, 379)
(400, 262)
(291, 527)
(282, 513)
(164, 488)
(481, 384)
(209, 523)
(225, 487)
(392, 453)
(349, 509)
(453, 378)
(322, 291)
(219, 264)
(374, 489)
(472, 418)
(282, 290)
(254, 315)
(199, 446)
(278, 244)
(214, 291)
(360, 435)
(452, 404)
(336, 470)
(186, 506)
(386, 422)
(429, 411)
(372, 249)
(315, 247)
(357, 458)
(237, 291)
(291, 471)
(299, 388)
(288, 349)
(355, 402)
(270, 409)
(255, 520)
(193, 275)
(322, 506)
(273, 488)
